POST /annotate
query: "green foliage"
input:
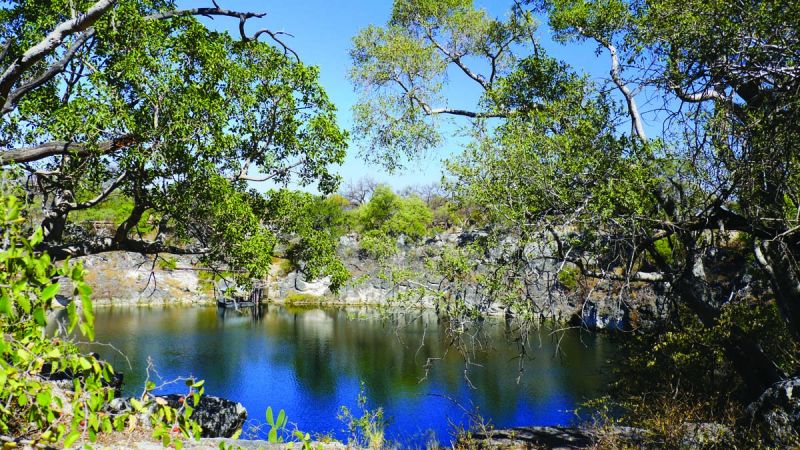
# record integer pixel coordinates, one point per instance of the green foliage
(392, 215)
(377, 244)
(366, 430)
(33, 408)
(312, 225)
(568, 277)
(276, 427)
(116, 208)
(171, 117)
(168, 263)
(400, 71)
(300, 298)
(171, 424)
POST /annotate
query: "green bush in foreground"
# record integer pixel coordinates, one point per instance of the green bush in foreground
(34, 410)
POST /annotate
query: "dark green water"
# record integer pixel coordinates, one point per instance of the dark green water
(310, 362)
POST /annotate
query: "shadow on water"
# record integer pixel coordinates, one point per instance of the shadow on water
(311, 361)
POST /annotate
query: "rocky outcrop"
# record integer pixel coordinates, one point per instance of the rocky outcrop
(777, 412)
(598, 308)
(123, 278)
(550, 437)
(120, 278)
(694, 436)
(218, 417)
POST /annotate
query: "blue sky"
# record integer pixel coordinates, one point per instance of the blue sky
(322, 33)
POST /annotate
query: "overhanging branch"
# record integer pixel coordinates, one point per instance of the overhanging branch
(54, 148)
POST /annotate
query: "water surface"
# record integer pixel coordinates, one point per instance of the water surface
(310, 362)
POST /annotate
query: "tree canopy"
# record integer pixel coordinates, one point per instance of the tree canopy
(552, 160)
(141, 99)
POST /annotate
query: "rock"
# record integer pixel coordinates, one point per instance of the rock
(218, 417)
(777, 412)
(552, 437)
(707, 435)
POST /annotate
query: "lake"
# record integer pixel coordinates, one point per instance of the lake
(310, 362)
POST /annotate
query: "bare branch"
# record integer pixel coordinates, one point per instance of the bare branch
(104, 245)
(103, 195)
(465, 113)
(458, 62)
(274, 35)
(697, 97)
(216, 11)
(277, 173)
(637, 125)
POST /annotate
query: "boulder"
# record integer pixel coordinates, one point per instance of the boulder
(218, 417)
(777, 412)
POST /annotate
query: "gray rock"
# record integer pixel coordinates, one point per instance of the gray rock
(551, 437)
(217, 416)
(777, 412)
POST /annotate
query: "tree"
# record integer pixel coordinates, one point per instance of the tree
(140, 98)
(359, 192)
(552, 163)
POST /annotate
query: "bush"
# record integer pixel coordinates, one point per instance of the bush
(568, 277)
(394, 216)
(34, 411)
(412, 219)
(377, 244)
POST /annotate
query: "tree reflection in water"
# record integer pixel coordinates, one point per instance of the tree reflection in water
(310, 361)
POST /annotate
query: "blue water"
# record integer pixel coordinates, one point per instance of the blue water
(310, 362)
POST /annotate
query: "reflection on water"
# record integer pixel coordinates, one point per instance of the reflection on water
(311, 361)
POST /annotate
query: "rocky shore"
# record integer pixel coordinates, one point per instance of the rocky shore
(120, 278)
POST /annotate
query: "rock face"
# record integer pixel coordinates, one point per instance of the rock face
(597, 309)
(120, 278)
(218, 417)
(123, 278)
(777, 411)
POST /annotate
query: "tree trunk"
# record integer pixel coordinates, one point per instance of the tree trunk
(55, 216)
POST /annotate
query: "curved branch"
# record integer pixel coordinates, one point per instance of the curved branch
(104, 245)
(208, 12)
(274, 35)
(697, 97)
(52, 71)
(637, 125)
(465, 113)
(456, 59)
(47, 45)
(103, 195)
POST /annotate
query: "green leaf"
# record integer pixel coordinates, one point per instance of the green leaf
(49, 292)
(43, 399)
(71, 438)
(39, 316)
(281, 419)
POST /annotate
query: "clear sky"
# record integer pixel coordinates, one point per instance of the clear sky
(323, 30)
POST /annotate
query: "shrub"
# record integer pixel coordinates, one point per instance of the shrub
(568, 277)
(377, 244)
(33, 410)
